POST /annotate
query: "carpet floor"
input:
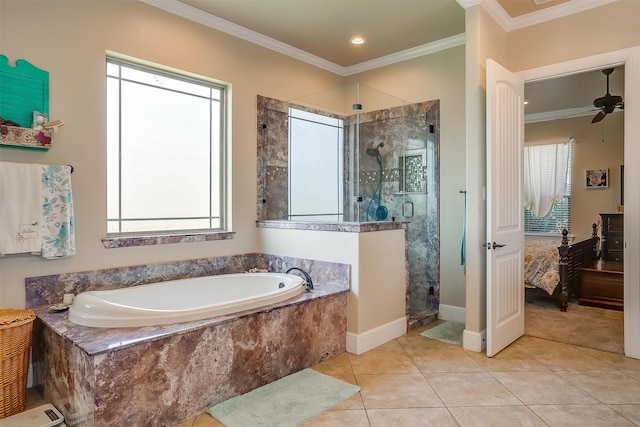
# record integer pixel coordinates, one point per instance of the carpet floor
(590, 327)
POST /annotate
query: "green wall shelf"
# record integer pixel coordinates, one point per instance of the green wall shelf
(24, 89)
(25, 138)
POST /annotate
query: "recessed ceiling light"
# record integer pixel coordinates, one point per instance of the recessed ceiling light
(357, 40)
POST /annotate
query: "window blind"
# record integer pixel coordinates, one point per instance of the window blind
(560, 215)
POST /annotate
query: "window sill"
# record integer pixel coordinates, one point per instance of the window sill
(164, 239)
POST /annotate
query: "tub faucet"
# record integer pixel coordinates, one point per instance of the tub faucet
(308, 283)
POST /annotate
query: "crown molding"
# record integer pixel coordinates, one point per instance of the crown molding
(404, 55)
(509, 24)
(196, 15)
(560, 114)
(567, 113)
(468, 3)
(193, 14)
(492, 6)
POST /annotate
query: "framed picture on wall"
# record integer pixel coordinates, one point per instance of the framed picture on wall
(597, 178)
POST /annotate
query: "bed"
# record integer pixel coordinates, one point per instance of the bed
(554, 271)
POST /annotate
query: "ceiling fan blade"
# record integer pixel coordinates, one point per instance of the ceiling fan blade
(598, 117)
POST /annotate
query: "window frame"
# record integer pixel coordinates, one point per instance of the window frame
(152, 237)
(297, 116)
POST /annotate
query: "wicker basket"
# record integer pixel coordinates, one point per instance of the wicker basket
(15, 345)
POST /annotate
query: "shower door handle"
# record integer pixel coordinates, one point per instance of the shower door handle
(404, 209)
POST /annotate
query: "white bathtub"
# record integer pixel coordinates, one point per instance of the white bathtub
(182, 300)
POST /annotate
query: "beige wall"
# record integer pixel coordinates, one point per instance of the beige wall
(74, 56)
(69, 39)
(597, 146)
(485, 39)
(580, 39)
(377, 262)
(437, 76)
(549, 43)
(602, 29)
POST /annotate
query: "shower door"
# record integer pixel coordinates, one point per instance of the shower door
(399, 150)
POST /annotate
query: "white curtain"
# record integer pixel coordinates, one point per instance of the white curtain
(545, 176)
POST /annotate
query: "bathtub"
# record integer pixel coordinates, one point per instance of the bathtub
(183, 300)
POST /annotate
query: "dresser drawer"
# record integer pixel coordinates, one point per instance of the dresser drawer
(616, 224)
(615, 242)
(612, 237)
(617, 256)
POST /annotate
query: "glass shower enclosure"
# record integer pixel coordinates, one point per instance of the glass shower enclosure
(356, 154)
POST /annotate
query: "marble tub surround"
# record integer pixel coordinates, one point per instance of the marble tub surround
(50, 289)
(95, 341)
(345, 227)
(162, 375)
(166, 379)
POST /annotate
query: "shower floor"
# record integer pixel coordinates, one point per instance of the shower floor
(422, 318)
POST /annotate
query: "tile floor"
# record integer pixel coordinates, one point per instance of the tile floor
(415, 381)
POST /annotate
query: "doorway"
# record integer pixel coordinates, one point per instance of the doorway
(560, 112)
(631, 59)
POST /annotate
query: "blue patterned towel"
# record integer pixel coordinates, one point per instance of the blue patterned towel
(58, 233)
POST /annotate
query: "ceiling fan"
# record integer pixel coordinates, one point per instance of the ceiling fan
(607, 103)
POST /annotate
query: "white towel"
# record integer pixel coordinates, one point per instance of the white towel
(20, 208)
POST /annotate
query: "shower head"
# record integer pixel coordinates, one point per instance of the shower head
(375, 151)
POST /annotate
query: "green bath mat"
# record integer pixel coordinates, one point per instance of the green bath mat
(289, 401)
(449, 332)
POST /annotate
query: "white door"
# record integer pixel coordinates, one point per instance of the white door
(505, 213)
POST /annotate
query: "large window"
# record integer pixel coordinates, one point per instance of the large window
(550, 164)
(316, 151)
(166, 151)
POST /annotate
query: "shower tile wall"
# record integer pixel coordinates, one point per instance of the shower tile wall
(273, 157)
(273, 153)
(404, 131)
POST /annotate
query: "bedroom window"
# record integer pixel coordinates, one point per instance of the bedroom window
(166, 144)
(548, 187)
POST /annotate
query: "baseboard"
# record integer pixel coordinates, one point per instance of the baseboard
(451, 312)
(359, 343)
(474, 341)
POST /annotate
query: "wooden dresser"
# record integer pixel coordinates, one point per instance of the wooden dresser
(612, 244)
(602, 285)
